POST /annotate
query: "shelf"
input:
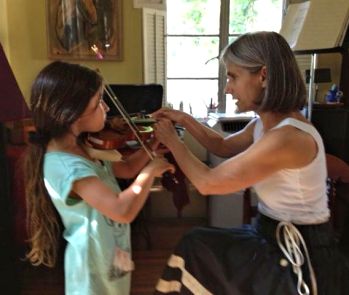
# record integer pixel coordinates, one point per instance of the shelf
(338, 105)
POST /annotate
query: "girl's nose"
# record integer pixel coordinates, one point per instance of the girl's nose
(105, 106)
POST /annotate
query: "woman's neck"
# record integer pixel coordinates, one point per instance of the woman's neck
(271, 119)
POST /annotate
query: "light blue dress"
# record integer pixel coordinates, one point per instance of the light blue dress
(91, 237)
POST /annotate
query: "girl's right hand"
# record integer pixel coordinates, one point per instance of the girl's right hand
(159, 165)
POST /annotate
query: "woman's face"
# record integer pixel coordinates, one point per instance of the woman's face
(93, 118)
(245, 87)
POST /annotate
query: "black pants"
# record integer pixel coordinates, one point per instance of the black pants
(247, 260)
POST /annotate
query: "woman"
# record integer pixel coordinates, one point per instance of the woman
(282, 156)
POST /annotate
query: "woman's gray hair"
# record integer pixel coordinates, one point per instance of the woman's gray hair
(285, 89)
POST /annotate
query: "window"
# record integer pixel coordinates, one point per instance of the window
(154, 49)
(194, 39)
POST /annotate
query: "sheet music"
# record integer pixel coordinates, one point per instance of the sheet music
(344, 30)
(316, 24)
(293, 22)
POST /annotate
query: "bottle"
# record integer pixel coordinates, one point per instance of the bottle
(331, 95)
(181, 106)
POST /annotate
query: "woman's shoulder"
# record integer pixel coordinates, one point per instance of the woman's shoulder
(296, 122)
(301, 127)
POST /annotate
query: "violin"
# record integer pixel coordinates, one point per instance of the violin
(131, 124)
(117, 134)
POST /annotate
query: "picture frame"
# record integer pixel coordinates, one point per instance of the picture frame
(73, 27)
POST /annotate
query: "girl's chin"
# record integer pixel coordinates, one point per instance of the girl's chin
(101, 127)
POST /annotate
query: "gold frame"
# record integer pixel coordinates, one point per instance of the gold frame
(72, 36)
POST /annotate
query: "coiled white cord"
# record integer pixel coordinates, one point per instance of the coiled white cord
(291, 248)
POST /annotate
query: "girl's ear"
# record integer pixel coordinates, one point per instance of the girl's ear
(263, 76)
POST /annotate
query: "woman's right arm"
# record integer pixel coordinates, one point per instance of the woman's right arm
(122, 207)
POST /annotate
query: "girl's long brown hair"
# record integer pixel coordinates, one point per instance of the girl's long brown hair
(59, 95)
(43, 225)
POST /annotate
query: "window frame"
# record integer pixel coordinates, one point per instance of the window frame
(223, 41)
(224, 37)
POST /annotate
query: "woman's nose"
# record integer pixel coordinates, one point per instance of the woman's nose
(227, 89)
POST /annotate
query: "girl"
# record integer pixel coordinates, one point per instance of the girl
(282, 156)
(66, 102)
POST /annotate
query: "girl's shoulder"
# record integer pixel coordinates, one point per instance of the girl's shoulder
(65, 158)
(62, 169)
(64, 165)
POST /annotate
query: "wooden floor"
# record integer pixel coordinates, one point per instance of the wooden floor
(164, 234)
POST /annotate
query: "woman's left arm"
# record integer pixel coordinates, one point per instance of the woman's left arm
(282, 148)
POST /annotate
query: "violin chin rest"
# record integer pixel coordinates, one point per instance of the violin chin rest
(106, 155)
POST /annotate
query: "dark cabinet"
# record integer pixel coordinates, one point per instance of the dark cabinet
(8, 278)
(333, 125)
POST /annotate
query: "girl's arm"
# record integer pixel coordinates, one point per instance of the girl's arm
(122, 207)
(132, 165)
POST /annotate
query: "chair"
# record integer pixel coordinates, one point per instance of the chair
(249, 211)
(338, 178)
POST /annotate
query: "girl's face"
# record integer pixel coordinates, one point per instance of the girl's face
(245, 87)
(93, 118)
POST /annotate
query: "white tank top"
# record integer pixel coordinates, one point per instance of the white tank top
(295, 195)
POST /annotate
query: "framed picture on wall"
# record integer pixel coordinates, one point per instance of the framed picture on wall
(73, 27)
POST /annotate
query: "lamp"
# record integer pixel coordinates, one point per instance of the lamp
(321, 75)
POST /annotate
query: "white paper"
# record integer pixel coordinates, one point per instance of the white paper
(293, 22)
